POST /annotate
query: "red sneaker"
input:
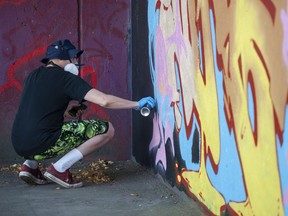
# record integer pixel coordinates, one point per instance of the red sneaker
(64, 179)
(32, 176)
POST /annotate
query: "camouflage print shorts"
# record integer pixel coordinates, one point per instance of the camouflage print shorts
(73, 134)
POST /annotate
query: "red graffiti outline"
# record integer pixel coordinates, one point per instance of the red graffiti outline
(270, 8)
(16, 3)
(12, 81)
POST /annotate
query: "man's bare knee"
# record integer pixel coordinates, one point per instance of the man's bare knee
(97, 141)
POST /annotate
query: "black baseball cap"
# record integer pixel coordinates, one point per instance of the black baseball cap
(62, 49)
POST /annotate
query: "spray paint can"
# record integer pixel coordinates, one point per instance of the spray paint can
(145, 111)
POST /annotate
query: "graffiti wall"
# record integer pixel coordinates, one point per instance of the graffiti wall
(219, 71)
(98, 27)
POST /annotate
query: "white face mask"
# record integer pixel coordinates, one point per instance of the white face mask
(72, 68)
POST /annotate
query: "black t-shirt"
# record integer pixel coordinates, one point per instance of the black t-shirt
(45, 97)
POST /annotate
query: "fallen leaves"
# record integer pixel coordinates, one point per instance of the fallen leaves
(11, 168)
(94, 172)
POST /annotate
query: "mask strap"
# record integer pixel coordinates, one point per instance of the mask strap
(77, 64)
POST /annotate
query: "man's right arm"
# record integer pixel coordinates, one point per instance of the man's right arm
(109, 101)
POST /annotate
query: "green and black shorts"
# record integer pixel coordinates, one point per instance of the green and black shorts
(73, 134)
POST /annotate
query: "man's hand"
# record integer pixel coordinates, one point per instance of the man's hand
(74, 111)
(146, 101)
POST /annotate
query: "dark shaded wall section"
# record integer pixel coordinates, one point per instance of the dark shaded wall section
(141, 81)
(99, 27)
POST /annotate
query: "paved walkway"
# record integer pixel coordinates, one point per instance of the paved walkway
(134, 191)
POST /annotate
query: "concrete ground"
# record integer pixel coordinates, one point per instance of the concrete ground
(134, 191)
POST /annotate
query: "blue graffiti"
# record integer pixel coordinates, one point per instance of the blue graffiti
(229, 180)
(282, 152)
(251, 107)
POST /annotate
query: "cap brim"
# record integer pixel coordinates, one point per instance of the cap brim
(75, 53)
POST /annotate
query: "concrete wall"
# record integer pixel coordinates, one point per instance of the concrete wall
(219, 71)
(99, 27)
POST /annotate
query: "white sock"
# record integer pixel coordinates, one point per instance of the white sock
(68, 160)
(33, 164)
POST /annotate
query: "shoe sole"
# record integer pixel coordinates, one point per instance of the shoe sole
(60, 182)
(30, 179)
